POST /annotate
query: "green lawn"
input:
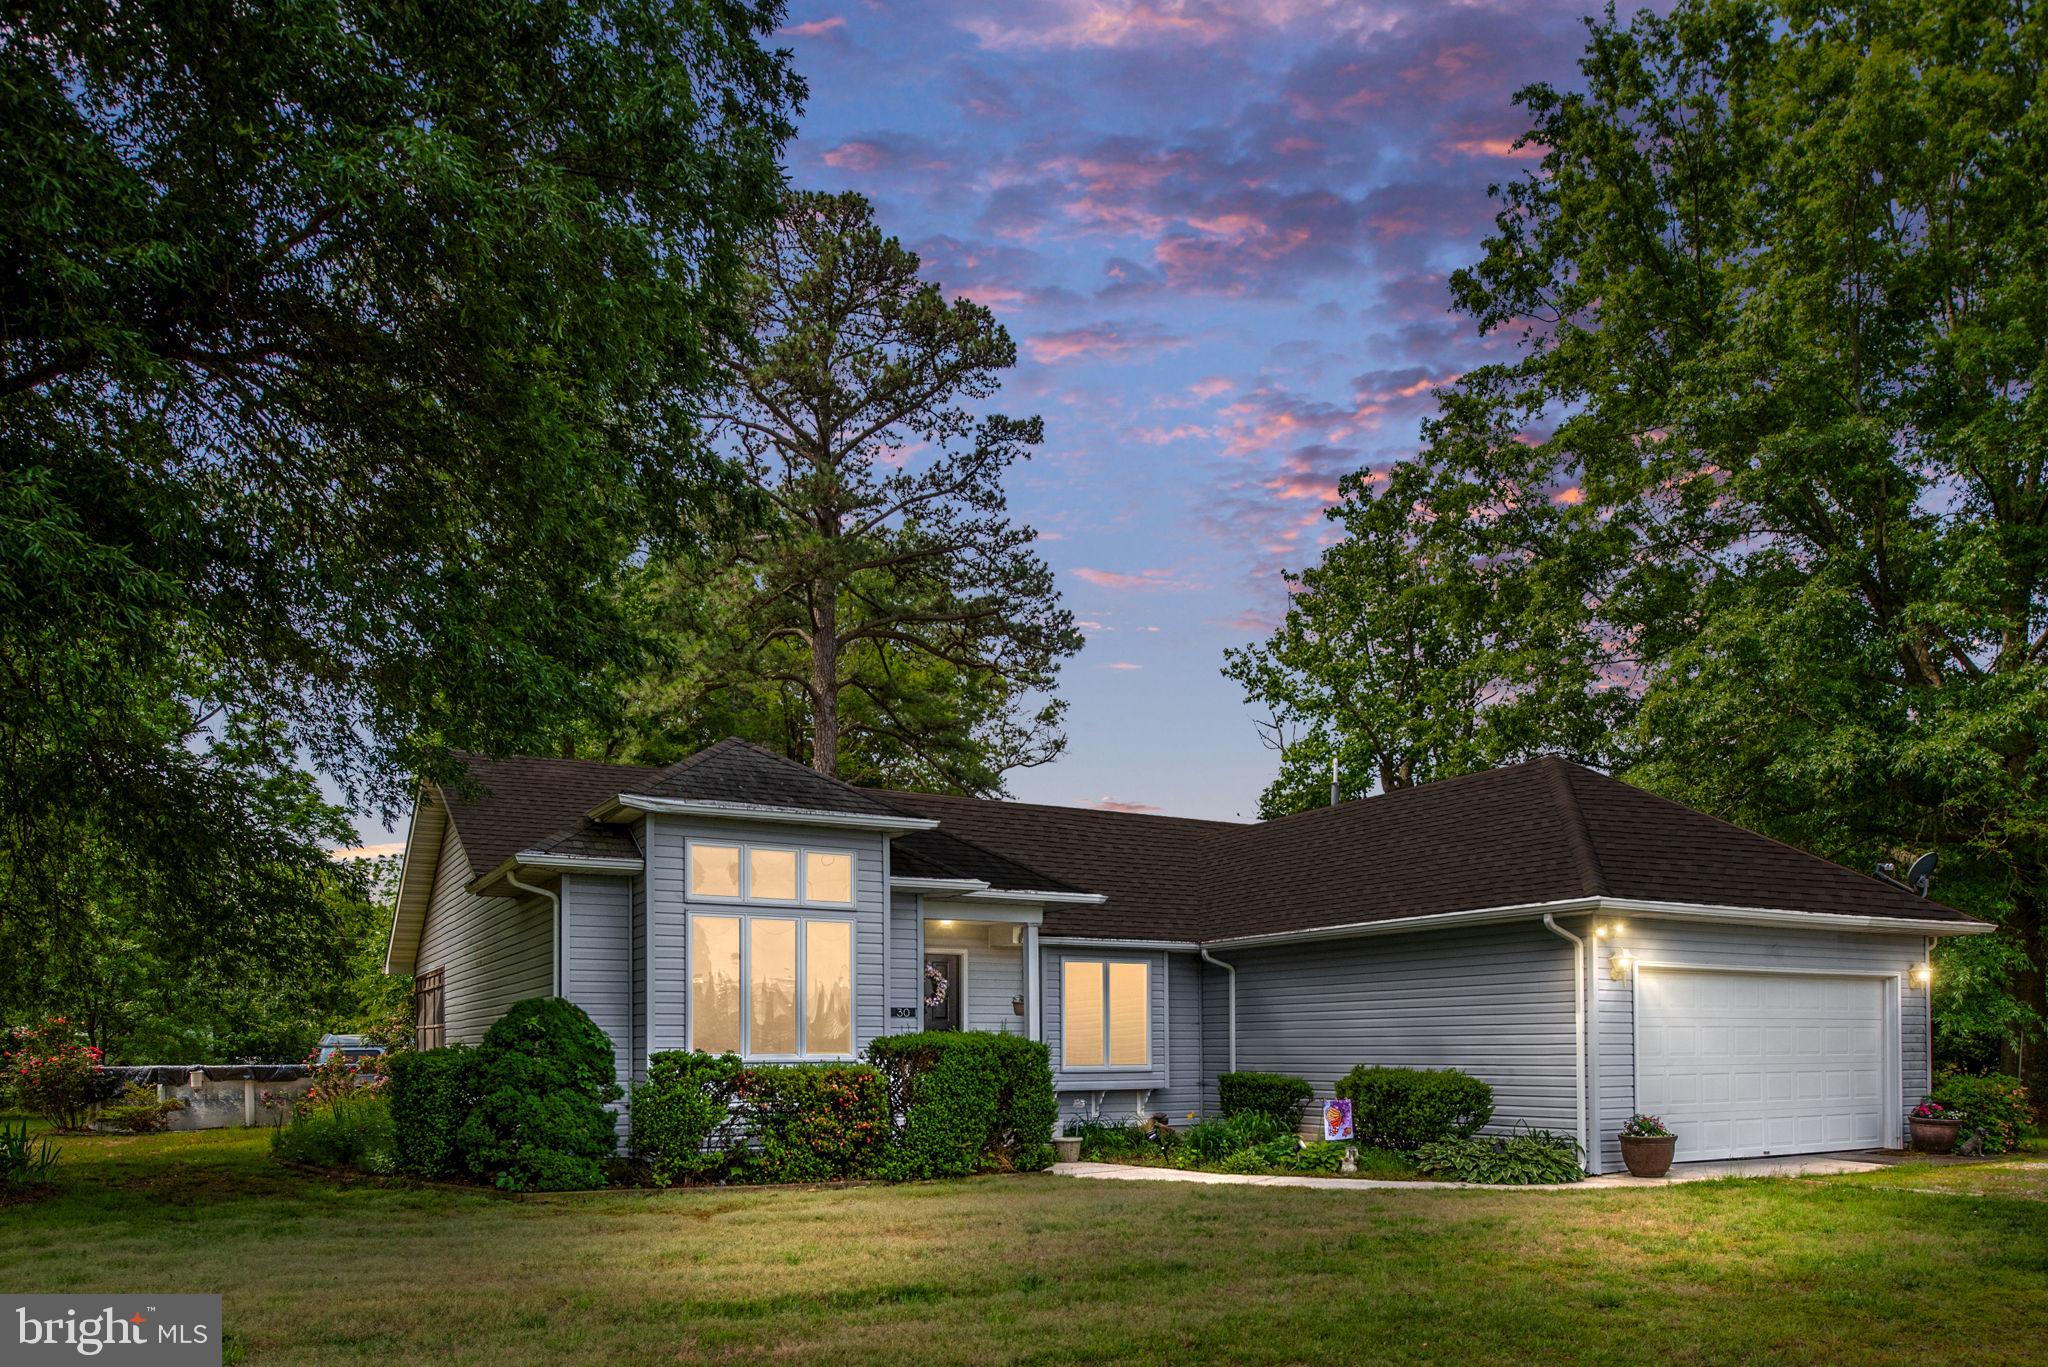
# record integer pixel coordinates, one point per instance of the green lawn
(1047, 1269)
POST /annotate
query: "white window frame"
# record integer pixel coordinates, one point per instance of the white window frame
(1105, 1066)
(803, 950)
(746, 897)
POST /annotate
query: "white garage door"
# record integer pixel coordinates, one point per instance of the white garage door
(1741, 1064)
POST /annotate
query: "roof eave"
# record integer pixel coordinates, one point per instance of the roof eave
(751, 811)
(558, 863)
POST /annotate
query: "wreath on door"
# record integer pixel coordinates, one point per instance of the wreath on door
(936, 981)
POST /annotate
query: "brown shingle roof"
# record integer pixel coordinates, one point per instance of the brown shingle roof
(1544, 831)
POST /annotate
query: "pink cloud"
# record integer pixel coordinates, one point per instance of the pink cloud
(1103, 342)
(1155, 579)
(816, 28)
(1110, 804)
(1122, 665)
(1211, 386)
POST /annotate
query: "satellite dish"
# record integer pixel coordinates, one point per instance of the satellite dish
(1922, 873)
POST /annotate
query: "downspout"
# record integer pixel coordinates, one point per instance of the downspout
(555, 901)
(1578, 1026)
(1209, 958)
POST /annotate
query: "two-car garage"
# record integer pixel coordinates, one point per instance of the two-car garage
(1741, 1064)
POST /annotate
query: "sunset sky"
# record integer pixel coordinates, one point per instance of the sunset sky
(1220, 234)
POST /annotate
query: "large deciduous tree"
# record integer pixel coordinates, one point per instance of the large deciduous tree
(888, 619)
(1780, 278)
(346, 347)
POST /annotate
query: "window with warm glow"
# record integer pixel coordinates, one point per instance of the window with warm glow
(1105, 1014)
(766, 873)
(771, 986)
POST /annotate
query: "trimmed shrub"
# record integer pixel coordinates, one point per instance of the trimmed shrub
(352, 1131)
(813, 1122)
(137, 1111)
(682, 1117)
(1529, 1157)
(1276, 1094)
(543, 1075)
(432, 1092)
(1994, 1103)
(965, 1102)
(1405, 1108)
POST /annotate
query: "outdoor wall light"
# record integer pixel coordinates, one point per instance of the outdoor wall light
(1923, 974)
(1619, 964)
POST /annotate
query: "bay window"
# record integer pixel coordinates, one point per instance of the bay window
(771, 986)
(1105, 1014)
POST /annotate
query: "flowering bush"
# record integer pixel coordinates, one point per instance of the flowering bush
(337, 1079)
(1996, 1103)
(1644, 1127)
(54, 1075)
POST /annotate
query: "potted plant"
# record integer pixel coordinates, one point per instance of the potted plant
(1646, 1146)
(1934, 1126)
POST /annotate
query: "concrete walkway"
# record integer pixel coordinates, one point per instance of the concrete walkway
(1801, 1165)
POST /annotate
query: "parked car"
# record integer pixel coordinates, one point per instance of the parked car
(347, 1047)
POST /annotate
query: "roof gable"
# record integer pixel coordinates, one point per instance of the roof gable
(736, 771)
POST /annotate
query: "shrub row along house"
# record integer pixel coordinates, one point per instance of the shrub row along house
(1587, 948)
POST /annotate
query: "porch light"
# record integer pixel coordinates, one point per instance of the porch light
(943, 924)
(1600, 931)
(1619, 965)
(1923, 974)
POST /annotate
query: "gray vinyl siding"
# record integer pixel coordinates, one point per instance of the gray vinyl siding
(669, 910)
(492, 951)
(597, 963)
(1184, 1046)
(638, 1030)
(1155, 1078)
(906, 978)
(1720, 945)
(1495, 1001)
(995, 975)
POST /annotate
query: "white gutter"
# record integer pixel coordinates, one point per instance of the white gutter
(1108, 942)
(1578, 1028)
(751, 811)
(556, 901)
(907, 884)
(1073, 899)
(1207, 957)
(1678, 911)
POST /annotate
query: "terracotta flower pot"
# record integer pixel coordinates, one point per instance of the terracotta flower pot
(1648, 1157)
(1934, 1136)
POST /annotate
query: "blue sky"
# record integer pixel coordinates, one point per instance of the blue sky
(1221, 235)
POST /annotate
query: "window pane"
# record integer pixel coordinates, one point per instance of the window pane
(771, 987)
(715, 984)
(828, 987)
(715, 870)
(1129, 1013)
(771, 875)
(1081, 1013)
(828, 877)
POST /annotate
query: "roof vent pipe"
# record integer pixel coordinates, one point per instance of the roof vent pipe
(1333, 778)
(1209, 958)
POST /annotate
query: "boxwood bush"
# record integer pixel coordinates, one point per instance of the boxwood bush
(543, 1075)
(965, 1102)
(432, 1092)
(1276, 1094)
(1405, 1108)
(683, 1122)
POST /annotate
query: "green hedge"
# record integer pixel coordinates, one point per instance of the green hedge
(1276, 1094)
(543, 1075)
(1994, 1103)
(813, 1122)
(966, 1102)
(1405, 1108)
(682, 1117)
(432, 1092)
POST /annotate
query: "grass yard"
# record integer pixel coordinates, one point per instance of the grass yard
(1045, 1269)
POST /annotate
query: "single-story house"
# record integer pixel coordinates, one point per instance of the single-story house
(1588, 948)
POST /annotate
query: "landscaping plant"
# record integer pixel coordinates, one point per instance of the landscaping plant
(137, 1110)
(432, 1092)
(1643, 1127)
(1994, 1104)
(965, 1101)
(54, 1075)
(26, 1161)
(812, 1123)
(1276, 1094)
(1527, 1157)
(1406, 1108)
(349, 1131)
(543, 1075)
(682, 1117)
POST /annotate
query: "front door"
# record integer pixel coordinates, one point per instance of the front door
(944, 991)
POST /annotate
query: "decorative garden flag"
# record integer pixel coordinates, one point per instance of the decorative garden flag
(1337, 1119)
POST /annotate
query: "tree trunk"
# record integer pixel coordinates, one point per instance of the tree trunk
(825, 681)
(2027, 1057)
